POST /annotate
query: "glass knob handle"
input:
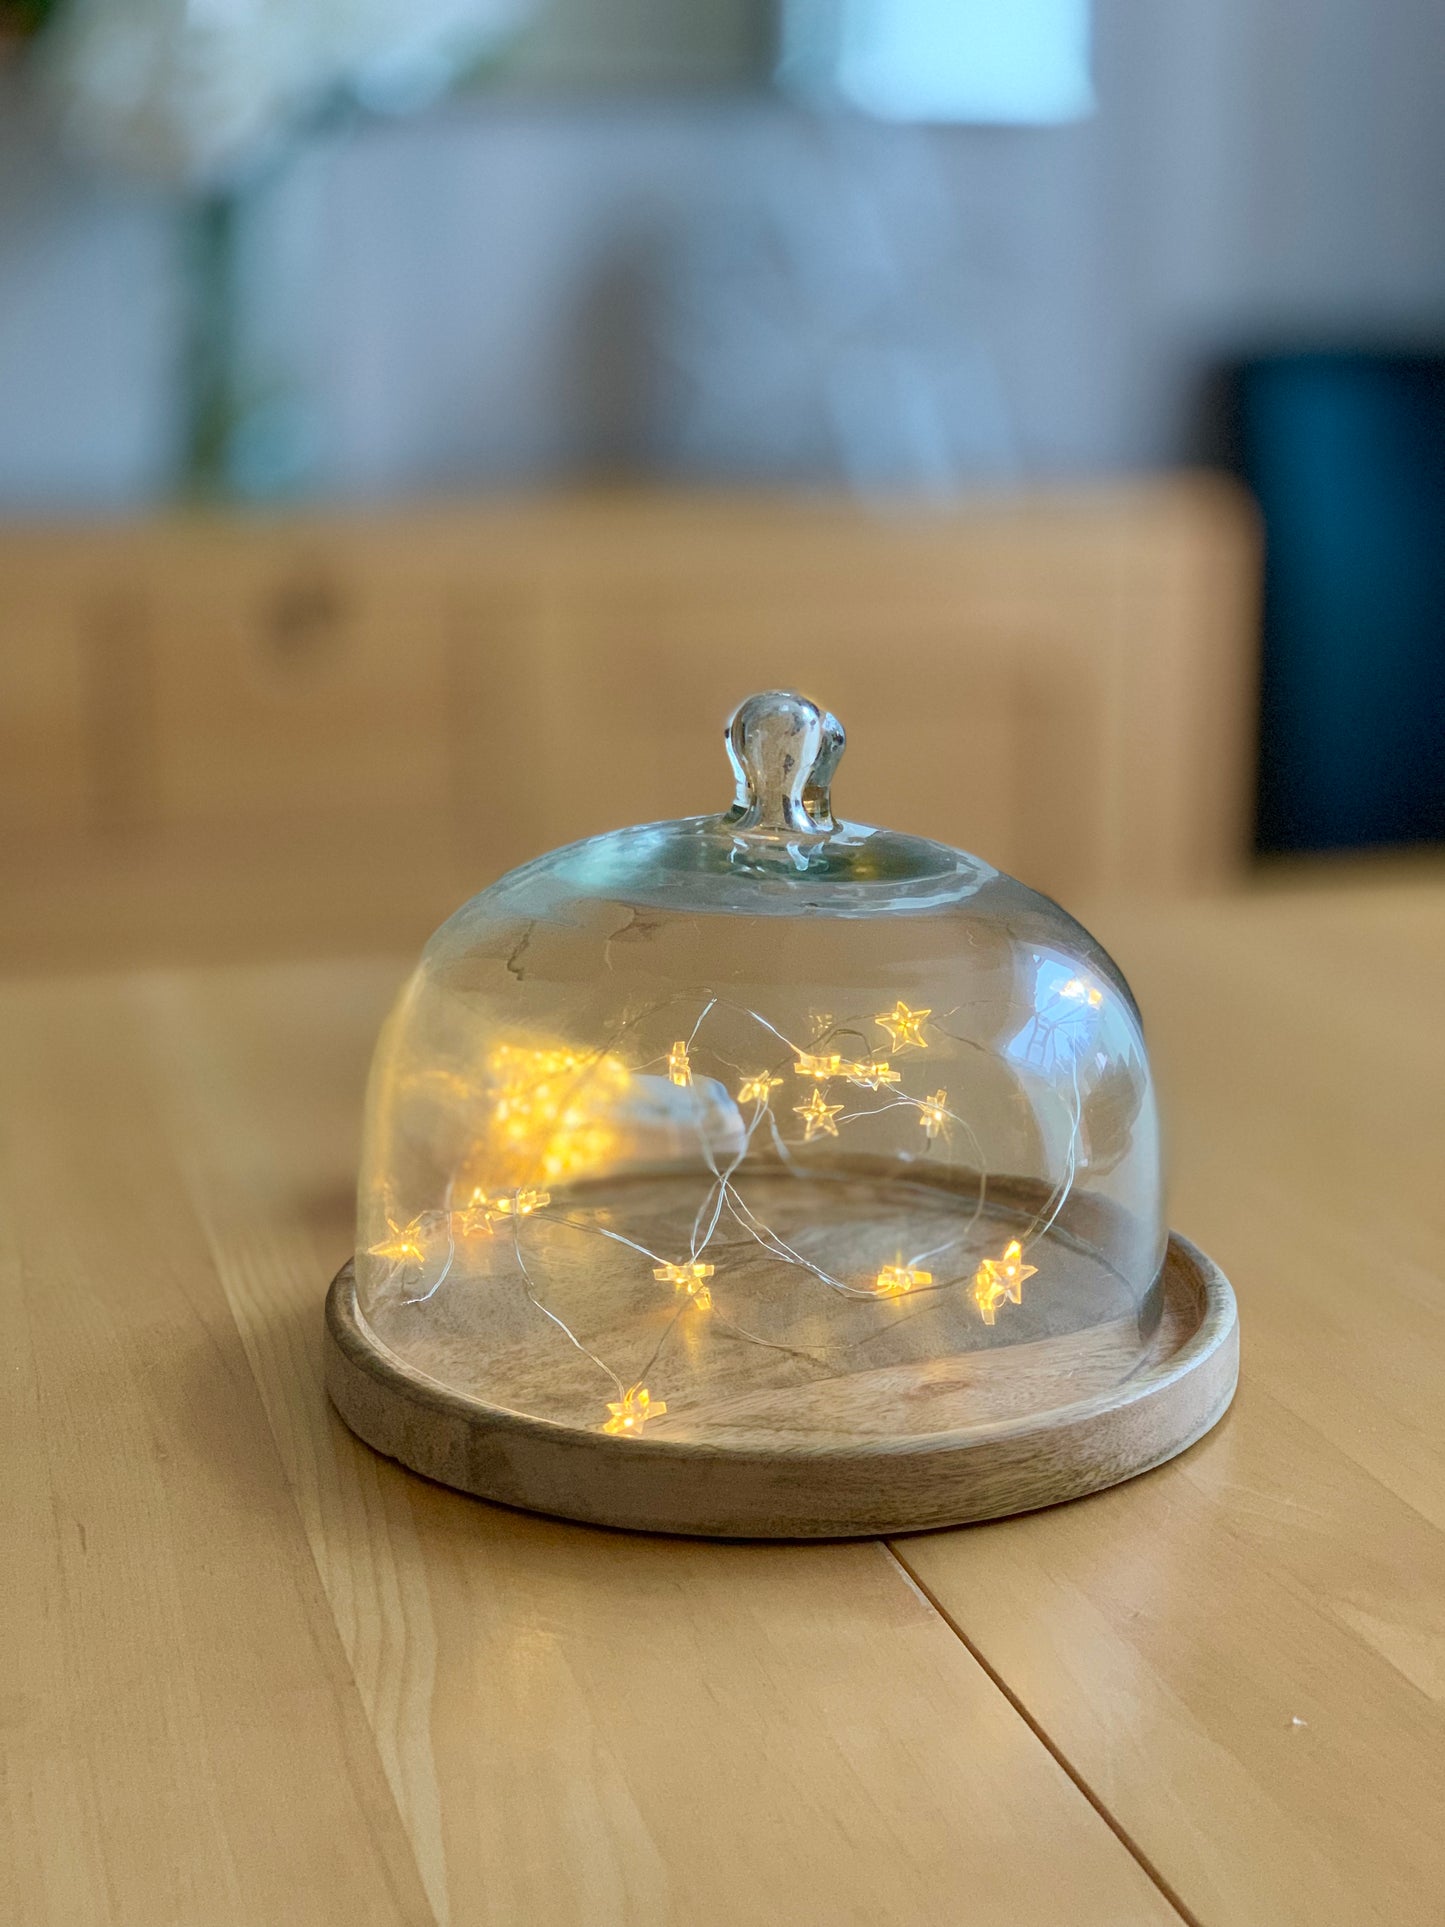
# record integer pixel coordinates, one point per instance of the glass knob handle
(784, 750)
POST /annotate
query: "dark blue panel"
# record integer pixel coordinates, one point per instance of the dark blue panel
(1346, 453)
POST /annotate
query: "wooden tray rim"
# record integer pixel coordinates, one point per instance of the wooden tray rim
(1218, 1319)
(642, 1482)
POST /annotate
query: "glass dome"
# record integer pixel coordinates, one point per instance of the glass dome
(674, 1124)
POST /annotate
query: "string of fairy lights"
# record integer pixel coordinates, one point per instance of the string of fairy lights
(550, 1112)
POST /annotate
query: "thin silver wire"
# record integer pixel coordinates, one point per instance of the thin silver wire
(723, 1194)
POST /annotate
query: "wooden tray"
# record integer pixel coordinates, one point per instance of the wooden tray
(1054, 1439)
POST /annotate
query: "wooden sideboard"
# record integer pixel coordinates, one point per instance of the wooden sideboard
(237, 734)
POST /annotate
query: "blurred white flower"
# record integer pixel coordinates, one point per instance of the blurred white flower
(198, 91)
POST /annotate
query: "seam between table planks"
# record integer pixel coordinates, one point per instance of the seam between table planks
(432, 1866)
(252, 1261)
(1041, 1734)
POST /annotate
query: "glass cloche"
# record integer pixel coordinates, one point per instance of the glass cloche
(762, 1122)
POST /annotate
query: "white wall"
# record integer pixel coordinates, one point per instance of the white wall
(472, 297)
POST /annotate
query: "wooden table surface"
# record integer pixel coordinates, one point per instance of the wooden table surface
(252, 1674)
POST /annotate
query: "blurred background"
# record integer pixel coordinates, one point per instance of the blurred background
(419, 426)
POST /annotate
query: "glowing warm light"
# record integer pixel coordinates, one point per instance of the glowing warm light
(549, 1113)
(998, 1279)
(817, 1117)
(872, 1073)
(521, 1074)
(403, 1247)
(519, 1204)
(895, 1279)
(540, 1113)
(632, 1411)
(904, 1026)
(687, 1278)
(1087, 993)
(480, 1211)
(755, 1090)
(812, 1064)
(475, 1215)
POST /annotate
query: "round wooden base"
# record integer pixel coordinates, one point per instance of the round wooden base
(1045, 1439)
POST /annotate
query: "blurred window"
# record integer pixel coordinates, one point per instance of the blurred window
(942, 60)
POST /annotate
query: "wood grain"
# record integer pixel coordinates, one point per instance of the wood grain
(1245, 1657)
(184, 1741)
(276, 1678)
(936, 1442)
(572, 1727)
(246, 736)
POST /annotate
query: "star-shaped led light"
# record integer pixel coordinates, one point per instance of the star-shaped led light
(403, 1246)
(817, 1117)
(933, 1113)
(818, 1064)
(475, 1216)
(893, 1280)
(679, 1064)
(689, 1279)
(872, 1073)
(632, 1411)
(904, 1026)
(998, 1279)
(519, 1204)
(755, 1090)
